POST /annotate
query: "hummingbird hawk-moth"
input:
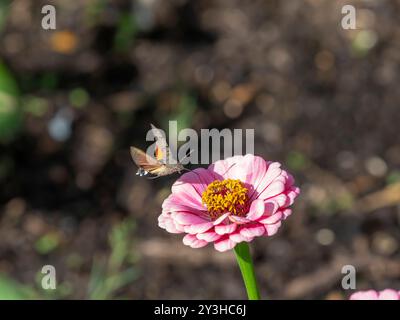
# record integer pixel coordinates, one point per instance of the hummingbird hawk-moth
(157, 165)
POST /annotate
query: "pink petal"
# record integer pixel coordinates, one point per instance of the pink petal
(222, 218)
(287, 213)
(238, 220)
(171, 227)
(225, 228)
(190, 198)
(289, 180)
(194, 181)
(221, 168)
(272, 228)
(388, 294)
(280, 199)
(175, 203)
(198, 228)
(275, 188)
(291, 195)
(256, 230)
(249, 169)
(273, 171)
(191, 241)
(161, 221)
(179, 227)
(224, 244)
(365, 295)
(271, 219)
(187, 218)
(260, 167)
(257, 209)
(209, 236)
(238, 237)
(261, 208)
(270, 207)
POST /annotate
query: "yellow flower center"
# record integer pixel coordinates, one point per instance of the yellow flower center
(225, 196)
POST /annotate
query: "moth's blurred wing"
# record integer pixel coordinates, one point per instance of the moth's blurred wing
(159, 171)
(143, 160)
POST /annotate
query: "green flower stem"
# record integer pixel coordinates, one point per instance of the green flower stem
(245, 262)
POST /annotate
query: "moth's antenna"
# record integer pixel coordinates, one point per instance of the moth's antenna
(185, 158)
(190, 152)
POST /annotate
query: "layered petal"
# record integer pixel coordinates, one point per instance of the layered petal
(192, 241)
(224, 244)
(387, 294)
(225, 228)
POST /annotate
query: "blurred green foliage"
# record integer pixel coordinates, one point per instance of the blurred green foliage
(183, 112)
(10, 113)
(6, 166)
(393, 177)
(364, 41)
(340, 202)
(35, 106)
(78, 97)
(94, 9)
(4, 8)
(297, 161)
(186, 108)
(126, 32)
(13, 290)
(49, 81)
(106, 278)
(47, 243)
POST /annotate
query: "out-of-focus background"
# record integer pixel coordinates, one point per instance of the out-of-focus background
(322, 100)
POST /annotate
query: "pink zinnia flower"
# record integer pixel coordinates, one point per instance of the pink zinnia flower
(234, 200)
(387, 294)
